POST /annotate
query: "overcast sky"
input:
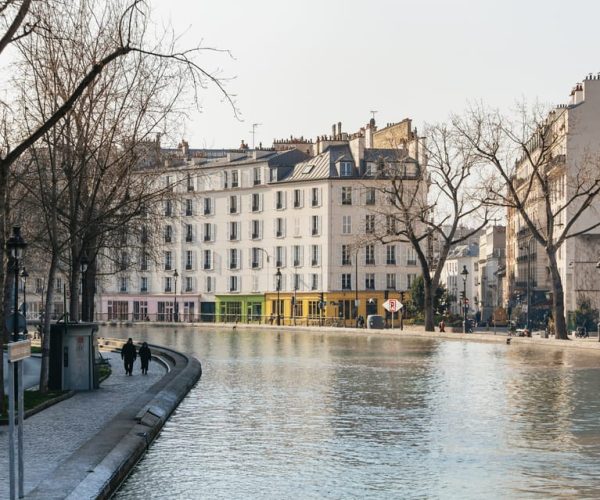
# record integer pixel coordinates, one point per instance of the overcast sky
(300, 66)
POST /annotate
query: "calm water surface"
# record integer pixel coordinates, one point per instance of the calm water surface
(309, 415)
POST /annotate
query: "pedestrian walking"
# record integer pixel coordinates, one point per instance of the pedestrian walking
(128, 355)
(145, 356)
(442, 326)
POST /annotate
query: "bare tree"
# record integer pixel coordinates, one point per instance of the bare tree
(531, 178)
(118, 30)
(430, 203)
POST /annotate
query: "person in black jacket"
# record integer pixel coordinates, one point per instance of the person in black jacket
(128, 355)
(145, 356)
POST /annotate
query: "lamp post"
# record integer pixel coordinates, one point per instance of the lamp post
(278, 276)
(83, 266)
(15, 247)
(464, 274)
(24, 276)
(356, 287)
(175, 276)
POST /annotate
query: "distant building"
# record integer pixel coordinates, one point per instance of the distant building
(460, 257)
(492, 249)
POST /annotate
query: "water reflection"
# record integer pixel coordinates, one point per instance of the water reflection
(337, 416)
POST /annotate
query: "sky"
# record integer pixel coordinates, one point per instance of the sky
(297, 68)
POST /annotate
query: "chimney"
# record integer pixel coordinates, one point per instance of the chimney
(339, 130)
(333, 131)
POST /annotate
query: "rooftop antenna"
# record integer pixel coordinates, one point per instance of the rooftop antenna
(253, 132)
(373, 113)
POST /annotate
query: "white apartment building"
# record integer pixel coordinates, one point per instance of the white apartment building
(492, 246)
(576, 153)
(461, 257)
(237, 221)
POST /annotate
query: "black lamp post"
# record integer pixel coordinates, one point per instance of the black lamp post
(464, 274)
(278, 276)
(24, 276)
(175, 276)
(16, 247)
(83, 265)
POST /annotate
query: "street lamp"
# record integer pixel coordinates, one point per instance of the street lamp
(464, 274)
(175, 276)
(15, 247)
(83, 266)
(24, 276)
(278, 276)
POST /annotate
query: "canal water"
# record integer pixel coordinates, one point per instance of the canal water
(311, 415)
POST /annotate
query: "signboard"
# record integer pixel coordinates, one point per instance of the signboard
(392, 305)
(18, 351)
(10, 323)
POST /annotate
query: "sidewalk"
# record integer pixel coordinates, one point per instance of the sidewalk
(57, 437)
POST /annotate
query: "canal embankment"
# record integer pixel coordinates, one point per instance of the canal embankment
(86, 446)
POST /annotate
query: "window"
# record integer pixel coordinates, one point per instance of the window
(297, 255)
(346, 224)
(207, 206)
(189, 233)
(346, 261)
(233, 231)
(235, 179)
(144, 235)
(168, 283)
(370, 281)
(314, 281)
(143, 284)
(279, 226)
(346, 281)
(168, 234)
(123, 261)
(369, 224)
(256, 258)
(168, 260)
(255, 225)
(346, 169)
(210, 285)
(189, 207)
(207, 231)
(233, 205)
(164, 311)
(207, 259)
(410, 278)
(225, 180)
(370, 255)
(190, 183)
(297, 198)
(314, 253)
(257, 176)
(279, 256)
(144, 262)
(296, 281)
(58, 285)
(140, 310)
(411, 257)
(315, 198)
(233, 258)
(169, 183)
(256, 202)
(390, 281)
(279, 200)
(314, 309)
(390, 253)
(233, 283)
(123, 284)
(189, 260)
(390, 224)
(315, 225)
(168, 208)
(189, 284)
(308, 169)
(370, 196)
(346, 196)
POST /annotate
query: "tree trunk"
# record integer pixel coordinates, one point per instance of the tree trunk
(89, 292)
(45, 370)
(558, 299)
(429, 313)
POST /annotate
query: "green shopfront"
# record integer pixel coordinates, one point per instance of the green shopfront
(240, 308)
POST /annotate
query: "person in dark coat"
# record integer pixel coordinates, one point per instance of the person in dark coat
(128, 355)
(145, 356)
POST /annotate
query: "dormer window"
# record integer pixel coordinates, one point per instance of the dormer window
(345, 169)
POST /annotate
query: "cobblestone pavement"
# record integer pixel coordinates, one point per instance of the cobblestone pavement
(54, 434)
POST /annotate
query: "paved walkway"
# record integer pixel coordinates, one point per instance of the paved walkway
(53, 435)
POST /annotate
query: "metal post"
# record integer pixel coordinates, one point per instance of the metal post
(528, 280)
(356, 289)
(21, 408)
(11, 431)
